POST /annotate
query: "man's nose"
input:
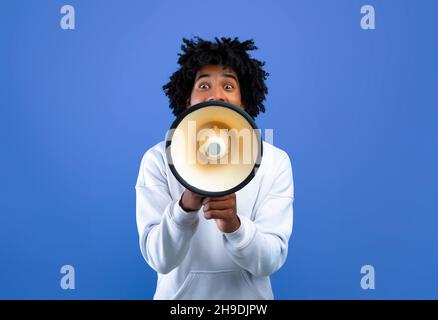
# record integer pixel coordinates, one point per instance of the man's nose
(216, 95)
(215, 99)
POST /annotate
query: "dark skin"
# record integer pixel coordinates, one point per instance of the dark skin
(214, 82)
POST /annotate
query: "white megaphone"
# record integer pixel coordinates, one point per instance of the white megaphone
(214, 148)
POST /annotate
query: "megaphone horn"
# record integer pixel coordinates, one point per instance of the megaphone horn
(214, 148)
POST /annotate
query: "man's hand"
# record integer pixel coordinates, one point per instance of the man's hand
(191, 201)
(223, 211)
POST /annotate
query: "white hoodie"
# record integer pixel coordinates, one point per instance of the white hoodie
(193, 258)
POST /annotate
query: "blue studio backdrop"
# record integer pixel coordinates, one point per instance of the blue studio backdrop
(355, 109)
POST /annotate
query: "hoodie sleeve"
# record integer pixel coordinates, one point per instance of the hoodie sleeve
(165, 229)
(261, 246)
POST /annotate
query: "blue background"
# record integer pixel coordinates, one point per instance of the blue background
(356, 111)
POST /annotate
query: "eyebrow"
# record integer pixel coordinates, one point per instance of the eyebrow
(225, 75)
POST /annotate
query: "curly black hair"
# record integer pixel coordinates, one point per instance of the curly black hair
(230, 53)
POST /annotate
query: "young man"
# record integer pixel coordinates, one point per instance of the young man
(224, 247)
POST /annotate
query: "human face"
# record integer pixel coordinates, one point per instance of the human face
(216, 82)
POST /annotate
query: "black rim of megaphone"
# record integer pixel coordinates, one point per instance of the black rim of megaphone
(193, 109)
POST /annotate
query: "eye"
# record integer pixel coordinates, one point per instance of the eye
(204, 85)
(228, 86)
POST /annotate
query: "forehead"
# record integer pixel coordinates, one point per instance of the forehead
(215, 70)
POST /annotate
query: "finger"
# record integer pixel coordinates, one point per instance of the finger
(196, 194)
(219, 205)
(218, 214)
(227, 197)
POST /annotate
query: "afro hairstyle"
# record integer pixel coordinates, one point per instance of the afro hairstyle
(230, 53)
